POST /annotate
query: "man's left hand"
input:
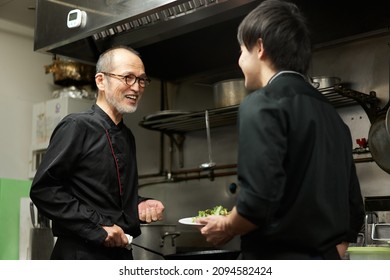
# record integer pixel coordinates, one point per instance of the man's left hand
(150, 210)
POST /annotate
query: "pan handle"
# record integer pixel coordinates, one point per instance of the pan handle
(149, 250)
(173, 235)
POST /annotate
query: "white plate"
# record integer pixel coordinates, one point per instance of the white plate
(188, 221)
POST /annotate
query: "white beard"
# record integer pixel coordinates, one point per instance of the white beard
(121, 108)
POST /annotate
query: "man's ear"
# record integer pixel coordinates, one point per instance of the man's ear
(99, 78)
(260, 48)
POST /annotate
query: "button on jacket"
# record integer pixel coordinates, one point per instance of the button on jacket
(88, 177)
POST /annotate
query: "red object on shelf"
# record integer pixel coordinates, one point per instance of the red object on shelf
(362, 142)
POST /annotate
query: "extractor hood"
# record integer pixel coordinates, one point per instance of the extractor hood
(178, 39)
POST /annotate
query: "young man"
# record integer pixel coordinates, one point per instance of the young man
(299, 193)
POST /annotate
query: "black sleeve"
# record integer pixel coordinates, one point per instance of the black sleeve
(140, 199)
(51, 193)
(262, 149)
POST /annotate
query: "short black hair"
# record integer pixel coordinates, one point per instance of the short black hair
(283, 30)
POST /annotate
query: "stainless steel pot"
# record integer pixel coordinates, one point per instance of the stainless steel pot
(229, 92)
(325, 81)
(157, 238)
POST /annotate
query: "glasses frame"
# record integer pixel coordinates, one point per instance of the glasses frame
(127, 77)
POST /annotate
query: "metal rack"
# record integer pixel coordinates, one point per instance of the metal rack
(339, 96)
(193, 121)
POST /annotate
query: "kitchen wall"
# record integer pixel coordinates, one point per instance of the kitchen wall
(364, 65)
(23, 83)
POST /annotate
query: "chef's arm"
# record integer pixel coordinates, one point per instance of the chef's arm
(237, 224)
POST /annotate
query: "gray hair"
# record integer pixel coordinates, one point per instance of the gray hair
(105, 59)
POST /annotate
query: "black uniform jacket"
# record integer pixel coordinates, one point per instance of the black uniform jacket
(88, 177)
(296, 170)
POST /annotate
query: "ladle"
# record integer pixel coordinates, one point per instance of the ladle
(209, 164)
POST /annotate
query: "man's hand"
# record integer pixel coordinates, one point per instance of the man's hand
(342, 249)
(150, 210)
(221, 229)
(116, 237)
(215, 229)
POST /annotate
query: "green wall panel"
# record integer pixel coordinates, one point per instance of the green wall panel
(11, 191)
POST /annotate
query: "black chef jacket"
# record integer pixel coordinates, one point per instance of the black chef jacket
(296, 171)
(88, 177)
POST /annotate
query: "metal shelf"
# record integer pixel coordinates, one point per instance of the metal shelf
(338, 96)
(193, 121)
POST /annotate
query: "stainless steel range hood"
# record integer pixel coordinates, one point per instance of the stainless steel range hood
(183, 37)
(135, 23)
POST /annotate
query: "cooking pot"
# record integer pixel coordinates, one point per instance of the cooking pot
(229, 92)
(160, 239)
(321, 82)
(71, 73)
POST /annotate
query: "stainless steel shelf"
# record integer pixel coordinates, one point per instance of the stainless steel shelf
(338, 97)
(193, 121)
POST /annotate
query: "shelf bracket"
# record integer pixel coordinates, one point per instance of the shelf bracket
(369, 102)
(178, 141)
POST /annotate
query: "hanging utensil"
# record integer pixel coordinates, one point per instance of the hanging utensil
(209, 164)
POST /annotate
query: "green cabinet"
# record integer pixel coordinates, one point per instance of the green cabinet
(11, 191)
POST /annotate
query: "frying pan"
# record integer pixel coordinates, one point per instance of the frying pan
(379, 141)
(196, 255)
(388, 121)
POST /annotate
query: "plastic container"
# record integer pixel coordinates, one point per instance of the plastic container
(369, 253)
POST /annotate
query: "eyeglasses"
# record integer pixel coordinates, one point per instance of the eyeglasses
(131, 79)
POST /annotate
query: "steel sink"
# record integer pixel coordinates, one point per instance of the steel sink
(380, 232)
